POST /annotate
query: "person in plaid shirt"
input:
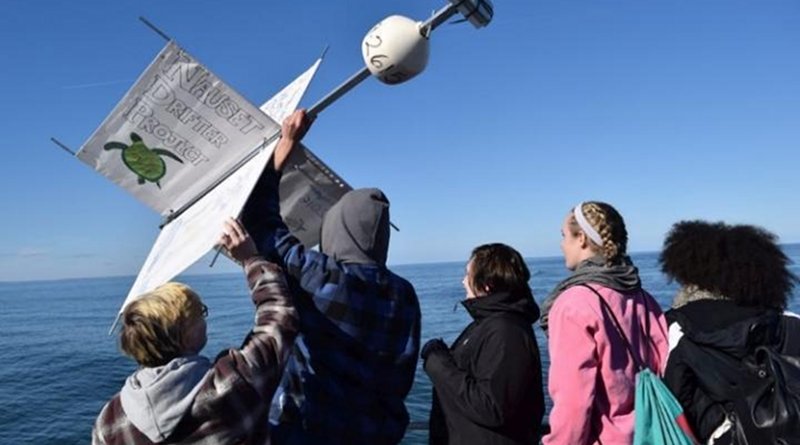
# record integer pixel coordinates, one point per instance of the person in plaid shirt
(178, 396)
(354, 361)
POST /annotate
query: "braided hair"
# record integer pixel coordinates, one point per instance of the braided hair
(609, 225)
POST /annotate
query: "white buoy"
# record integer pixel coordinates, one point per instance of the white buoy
(395, 50)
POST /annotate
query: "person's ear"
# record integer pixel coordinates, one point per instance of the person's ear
(583, 239)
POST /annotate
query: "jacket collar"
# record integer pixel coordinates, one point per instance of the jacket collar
(726, 326)
(502, 303)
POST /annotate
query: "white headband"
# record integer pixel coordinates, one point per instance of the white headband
(585, 226)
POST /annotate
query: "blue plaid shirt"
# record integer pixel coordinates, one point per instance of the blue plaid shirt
(354, 362)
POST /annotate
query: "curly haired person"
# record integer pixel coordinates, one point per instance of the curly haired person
(735, 286)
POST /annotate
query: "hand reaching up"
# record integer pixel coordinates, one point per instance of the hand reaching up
(237, 241)
(292, 132)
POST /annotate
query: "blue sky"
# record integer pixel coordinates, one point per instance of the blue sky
(666, 109)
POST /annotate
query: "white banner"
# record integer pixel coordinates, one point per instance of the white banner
(192, 234)
(177, 130)
(196, 231)
(281, 105)
(308, 187)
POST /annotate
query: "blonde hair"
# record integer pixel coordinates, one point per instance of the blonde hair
(609, 225)
(155, 327)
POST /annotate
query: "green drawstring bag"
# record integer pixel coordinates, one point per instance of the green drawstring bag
(659, 418)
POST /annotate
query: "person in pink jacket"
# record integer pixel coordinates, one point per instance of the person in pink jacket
(592, 376)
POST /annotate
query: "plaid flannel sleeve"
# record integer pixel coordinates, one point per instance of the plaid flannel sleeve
(382, 324)
(315, 272)
(261, 359)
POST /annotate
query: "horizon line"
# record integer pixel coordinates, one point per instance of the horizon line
(423, 263)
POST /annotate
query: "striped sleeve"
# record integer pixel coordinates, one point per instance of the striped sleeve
(265, 351)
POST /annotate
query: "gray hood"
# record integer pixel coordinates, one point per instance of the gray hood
(155, 399)
(356, 228)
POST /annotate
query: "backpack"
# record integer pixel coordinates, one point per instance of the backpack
(659, 418)
(759, 392)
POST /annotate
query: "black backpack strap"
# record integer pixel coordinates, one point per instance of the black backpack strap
(648, 338)
(636, 359)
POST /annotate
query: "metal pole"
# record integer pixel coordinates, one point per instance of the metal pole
(438, 18)
(338, 92)
(114, 325)
(311, 113)
(153, 27)
(216, 255)
(67, 149)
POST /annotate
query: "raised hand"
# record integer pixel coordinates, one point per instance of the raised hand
(237, 241)
(293, 130)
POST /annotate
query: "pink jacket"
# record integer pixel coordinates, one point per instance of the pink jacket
(592, 377)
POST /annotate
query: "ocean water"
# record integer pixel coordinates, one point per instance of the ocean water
(58, 366)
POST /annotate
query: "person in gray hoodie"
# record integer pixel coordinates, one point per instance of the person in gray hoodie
(354, 361)
(179, 396)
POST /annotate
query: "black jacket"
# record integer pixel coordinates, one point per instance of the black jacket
(488, 388)
(703, 373)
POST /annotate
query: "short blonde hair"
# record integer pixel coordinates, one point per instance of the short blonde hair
(155, 326)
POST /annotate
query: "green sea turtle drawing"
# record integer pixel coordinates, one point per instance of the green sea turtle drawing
(145, 162)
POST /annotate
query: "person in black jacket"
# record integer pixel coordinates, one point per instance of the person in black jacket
(735, 286)
(488, 384)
